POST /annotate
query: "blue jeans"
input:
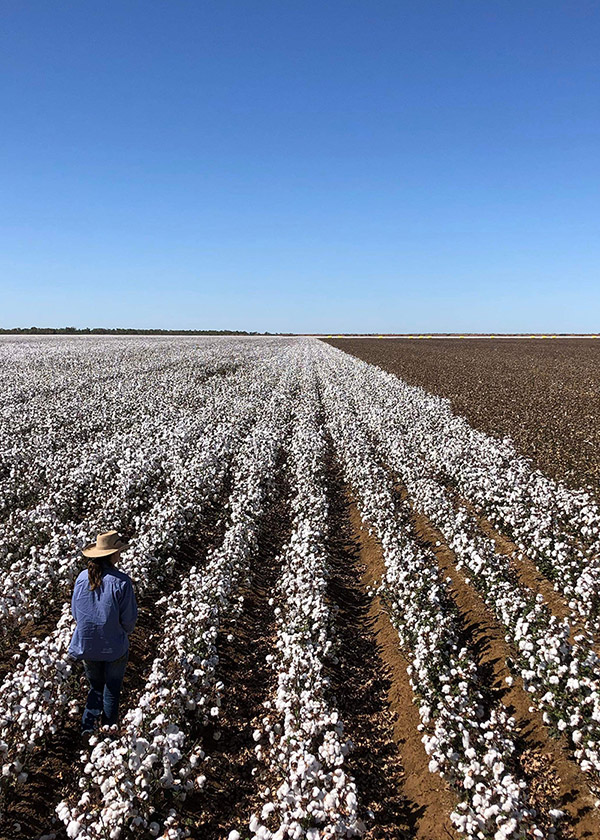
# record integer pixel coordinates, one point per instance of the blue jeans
(105, 679)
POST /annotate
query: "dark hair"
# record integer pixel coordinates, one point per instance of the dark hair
(95, 568)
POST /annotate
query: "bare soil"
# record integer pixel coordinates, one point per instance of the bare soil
(375, 698)
(430, 798)
(544, 394)
(364, 681)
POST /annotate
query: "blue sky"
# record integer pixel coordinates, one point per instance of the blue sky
(301, 166)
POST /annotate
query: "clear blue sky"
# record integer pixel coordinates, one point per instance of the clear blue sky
(304, 166)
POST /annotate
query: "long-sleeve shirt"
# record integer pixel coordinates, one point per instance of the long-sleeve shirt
(105, 616)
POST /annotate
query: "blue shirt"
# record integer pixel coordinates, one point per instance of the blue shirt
(105, 617)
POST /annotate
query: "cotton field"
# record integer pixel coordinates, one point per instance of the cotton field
(358, 615)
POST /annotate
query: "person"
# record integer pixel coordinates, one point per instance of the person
(105, 610)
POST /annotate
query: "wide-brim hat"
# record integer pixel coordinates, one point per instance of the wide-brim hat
(105, 544)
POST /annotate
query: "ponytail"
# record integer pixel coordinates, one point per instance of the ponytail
(95, 565)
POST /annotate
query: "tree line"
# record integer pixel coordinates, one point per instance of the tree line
(118, 331)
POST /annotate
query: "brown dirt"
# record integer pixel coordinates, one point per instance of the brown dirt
(525, 569)
(544, 394)
(362, 681)
(430, 801)
(561, 784)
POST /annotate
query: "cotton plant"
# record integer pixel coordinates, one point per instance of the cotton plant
(65, 394)
(301, 746)
(145, 474)
(36, 697)
(555, 527)
(560, 676)
(544, 656)
(124, 777)
(171, 422)
(470, 743)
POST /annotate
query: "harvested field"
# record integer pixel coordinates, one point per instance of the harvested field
(358, 615)
(542, 393)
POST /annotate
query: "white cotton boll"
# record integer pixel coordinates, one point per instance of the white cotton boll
(267, 809)
(74, 828)
(233, 835)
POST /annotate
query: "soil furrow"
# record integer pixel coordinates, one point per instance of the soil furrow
(525, 569)
(399, 795)
(430, 800)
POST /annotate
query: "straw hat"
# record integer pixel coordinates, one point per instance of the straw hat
(105, 544)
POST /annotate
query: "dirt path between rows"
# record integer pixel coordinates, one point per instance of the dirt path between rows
(399, 795)
(530, 576)
(555, 779)
(525, 569)
(431, 800)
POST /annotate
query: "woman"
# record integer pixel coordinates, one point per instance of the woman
(105, 610)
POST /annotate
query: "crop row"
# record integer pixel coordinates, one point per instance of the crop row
(301, 740)
(560, 676)
(169, 464)
(64, 413)
(125, 481)
(125, 777)
(36, 695)
(468, 737)
(556, 527)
